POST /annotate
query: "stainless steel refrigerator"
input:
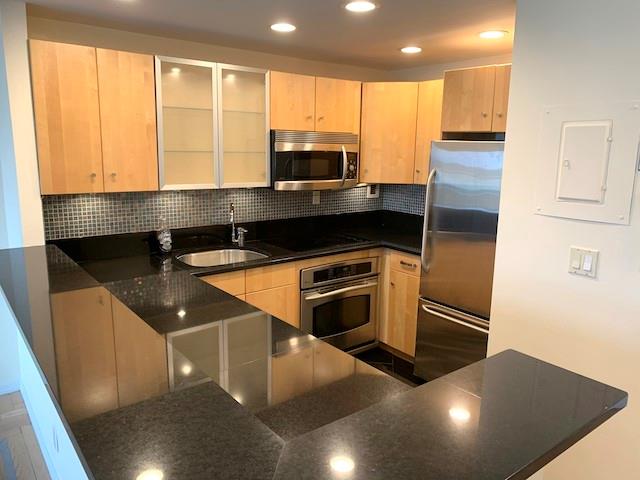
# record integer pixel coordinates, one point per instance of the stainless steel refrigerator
(458, 251)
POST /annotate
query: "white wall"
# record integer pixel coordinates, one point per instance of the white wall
(20, 196)
(566, 52)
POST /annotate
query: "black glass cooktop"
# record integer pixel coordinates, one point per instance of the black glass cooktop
(303, 243)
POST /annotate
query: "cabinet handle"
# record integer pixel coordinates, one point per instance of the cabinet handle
(417, 171)
(320, 118)
(392, 284)
(113, 175)
(309, 117)
(407, 264)
(484, 114)
(93, 175)
(499, 115)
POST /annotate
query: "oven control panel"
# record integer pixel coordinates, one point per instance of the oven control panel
(339, 272)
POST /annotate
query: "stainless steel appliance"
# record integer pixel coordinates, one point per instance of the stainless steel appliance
(458, 251)
(313, 160)
(338, 302)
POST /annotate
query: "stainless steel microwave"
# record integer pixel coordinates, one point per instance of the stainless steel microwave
(313, 160)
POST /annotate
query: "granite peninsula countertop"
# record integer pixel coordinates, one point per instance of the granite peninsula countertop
(162, 371)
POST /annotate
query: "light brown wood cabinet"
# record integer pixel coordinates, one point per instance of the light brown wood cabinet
(501, 98)
(128, 121)
(470, 103)
(303, 102)
(141, 357)
(337, 105)
(85, 356)
(67, 117)
(428, 127)
(273, 289)
(399, 303)
(399, 122)
(388, 142)
(95, 119)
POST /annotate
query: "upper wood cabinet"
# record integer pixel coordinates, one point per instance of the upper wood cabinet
(388, 142)
(95, 119)
(501, 98)
(428, 126)
(338, 105)
(128, 121)
(475, 99)
(293, 101)
(67, 117)
(302, 102)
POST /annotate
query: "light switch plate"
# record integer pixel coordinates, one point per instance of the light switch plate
(583, 261)
(316, 198)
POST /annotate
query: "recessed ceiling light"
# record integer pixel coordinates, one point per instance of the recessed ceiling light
(283, 27)
(360, 6)
(493, 34)
(411, 49)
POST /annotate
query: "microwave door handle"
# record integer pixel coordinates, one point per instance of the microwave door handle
(425, 229)
(454, 320)
(345, 164)
(316, 296)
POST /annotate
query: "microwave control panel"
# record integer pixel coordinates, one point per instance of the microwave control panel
(352, 167)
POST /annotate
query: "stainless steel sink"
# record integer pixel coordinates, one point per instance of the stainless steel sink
(212, 258)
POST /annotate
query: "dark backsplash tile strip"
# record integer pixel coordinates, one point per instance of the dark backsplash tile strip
(404, 198)
(73, 216)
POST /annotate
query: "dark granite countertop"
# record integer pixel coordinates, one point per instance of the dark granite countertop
(176, 375)
(117, 257)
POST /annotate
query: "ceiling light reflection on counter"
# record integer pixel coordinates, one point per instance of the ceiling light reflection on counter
(186, 369)
(493, 34)
(411, 49)
(175, 70)
(459, 414)
(182, 313)
(151, 474)
(341, 464)
(283, 27)
(360, 6)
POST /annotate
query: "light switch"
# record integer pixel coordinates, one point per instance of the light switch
(316, 198)
(583, 261)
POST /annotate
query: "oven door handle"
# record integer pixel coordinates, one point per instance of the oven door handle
(316, 296)
(345, 164)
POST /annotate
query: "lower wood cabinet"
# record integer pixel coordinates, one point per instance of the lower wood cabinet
(281, 302)
(399, 303)
(85, 354)
(273, 289)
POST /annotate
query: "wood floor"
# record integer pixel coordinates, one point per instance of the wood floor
(20, 456)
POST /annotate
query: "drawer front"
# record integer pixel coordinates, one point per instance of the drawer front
(270, 277)
(404, 262)
(281, 302)
(232, 282)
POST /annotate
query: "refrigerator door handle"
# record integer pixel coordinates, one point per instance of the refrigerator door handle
(425, 227)
(454, 320)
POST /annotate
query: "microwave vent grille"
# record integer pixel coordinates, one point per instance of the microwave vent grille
(293, 136)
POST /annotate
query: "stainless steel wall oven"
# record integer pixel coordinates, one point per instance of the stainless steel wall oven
(338, 302)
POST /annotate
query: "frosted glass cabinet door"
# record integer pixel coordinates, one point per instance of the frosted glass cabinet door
(187, 133)
(244, 129)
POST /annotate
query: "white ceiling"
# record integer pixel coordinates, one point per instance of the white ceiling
(445, 29)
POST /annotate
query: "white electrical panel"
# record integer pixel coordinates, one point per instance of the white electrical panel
(584, 160)
(588, 160)
(583, 261)
(315, 199)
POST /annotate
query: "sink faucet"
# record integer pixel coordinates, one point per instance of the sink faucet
(237, 235)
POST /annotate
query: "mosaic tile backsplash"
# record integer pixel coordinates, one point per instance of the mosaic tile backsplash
(69, 216)
(404, 198)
